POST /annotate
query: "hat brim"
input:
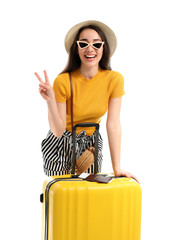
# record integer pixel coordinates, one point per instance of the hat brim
(110, 35)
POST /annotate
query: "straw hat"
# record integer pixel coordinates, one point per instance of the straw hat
(110, 35)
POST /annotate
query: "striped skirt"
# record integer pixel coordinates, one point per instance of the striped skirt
(57, 152)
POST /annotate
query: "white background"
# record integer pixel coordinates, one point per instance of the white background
(32, 39)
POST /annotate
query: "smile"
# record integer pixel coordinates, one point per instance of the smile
(90, 56)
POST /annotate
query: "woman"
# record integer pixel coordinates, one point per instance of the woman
(96, 89)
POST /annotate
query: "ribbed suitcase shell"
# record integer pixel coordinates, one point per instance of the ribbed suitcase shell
(74, 209)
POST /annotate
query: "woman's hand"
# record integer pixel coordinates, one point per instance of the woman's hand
(122, 173)
(45, 88)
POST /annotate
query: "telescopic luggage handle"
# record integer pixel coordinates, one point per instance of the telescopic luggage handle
(87, 124)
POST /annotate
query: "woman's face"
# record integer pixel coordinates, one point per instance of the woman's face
(90, 56)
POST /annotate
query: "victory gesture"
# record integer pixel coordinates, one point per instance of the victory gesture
(45, 88)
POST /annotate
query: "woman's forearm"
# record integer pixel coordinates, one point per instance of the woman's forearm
(55, 121)
(114, 139)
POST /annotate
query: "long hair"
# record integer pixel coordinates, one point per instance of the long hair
(74, 61)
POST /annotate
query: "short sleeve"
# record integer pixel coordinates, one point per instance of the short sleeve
(117, 86)
(61, 88)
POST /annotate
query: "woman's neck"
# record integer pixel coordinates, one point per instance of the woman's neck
(88, 72)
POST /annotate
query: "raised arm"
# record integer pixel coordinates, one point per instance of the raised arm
(56, 110)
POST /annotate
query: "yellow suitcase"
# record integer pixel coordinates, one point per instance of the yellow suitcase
(76, 209)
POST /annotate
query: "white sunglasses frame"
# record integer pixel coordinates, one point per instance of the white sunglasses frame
(89, 44)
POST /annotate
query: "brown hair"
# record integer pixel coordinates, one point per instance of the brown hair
(74, 61)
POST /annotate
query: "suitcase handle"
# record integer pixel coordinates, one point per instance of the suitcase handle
(86, 124)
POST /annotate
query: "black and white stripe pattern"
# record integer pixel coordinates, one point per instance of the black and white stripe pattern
(57, 152)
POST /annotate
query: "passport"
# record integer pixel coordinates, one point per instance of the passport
(96, 178)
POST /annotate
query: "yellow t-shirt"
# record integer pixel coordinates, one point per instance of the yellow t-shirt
(90, 96)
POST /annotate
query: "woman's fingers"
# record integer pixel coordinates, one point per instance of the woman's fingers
(46, 77)
(45, 88)
(43, 94)
(129, 175)
(39, 78)
(44, 85)
(134, 177)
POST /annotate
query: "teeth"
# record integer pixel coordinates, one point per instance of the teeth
(90, 56)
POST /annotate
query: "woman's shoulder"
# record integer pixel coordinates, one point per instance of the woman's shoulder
(62, 78)
(112, 74)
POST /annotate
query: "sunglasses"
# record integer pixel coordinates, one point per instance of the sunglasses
(96, 45)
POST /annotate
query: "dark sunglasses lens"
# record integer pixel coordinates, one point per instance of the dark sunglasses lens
(82, 44)
(97, 45)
